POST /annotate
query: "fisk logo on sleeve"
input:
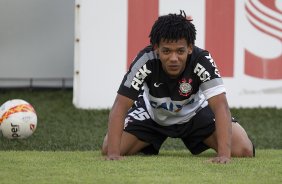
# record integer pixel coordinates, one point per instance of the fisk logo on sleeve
(202, 72)
(139, 77)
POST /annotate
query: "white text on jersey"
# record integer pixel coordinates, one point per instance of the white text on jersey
(213, 64)
(139, 77)
(202, 72)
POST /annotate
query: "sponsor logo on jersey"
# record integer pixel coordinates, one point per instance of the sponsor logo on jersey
(139, 77)
(185, 87)
(202, 72)
(170, 105)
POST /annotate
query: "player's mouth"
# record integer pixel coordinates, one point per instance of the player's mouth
(173, 67)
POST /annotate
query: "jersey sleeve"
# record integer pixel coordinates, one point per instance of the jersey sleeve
(138, 73)
(211, 83)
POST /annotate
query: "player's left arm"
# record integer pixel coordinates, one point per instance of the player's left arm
(214, 90)
(221, 110)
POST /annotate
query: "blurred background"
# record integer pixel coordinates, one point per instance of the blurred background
(67, 58)
(36, 43)
(87, 46)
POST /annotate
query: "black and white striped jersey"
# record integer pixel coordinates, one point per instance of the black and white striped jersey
(172, 101)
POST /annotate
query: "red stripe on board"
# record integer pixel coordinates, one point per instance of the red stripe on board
(265, 31)
(263, 68)
(220, 34)
(268, 25)
(269, 4)
(262, 21)
(141, 16)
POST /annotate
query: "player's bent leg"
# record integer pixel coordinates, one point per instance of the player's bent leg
(241, 144)
(211, 141)
(130, 144)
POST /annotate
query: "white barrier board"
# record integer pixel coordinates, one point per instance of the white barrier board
(101, 50)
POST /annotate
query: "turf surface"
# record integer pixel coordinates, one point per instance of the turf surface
(169, 167)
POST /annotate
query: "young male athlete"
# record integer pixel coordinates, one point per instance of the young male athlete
(173, 89)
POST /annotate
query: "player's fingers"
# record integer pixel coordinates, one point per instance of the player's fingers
(224, 161)
(114, 158)
(219, 160)
(211, 160)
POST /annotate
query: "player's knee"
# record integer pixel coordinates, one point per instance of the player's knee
(245, 151)
(241, 144)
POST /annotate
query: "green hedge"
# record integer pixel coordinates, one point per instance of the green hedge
(63, 127)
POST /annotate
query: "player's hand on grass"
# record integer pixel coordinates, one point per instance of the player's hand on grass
(114, 157)
(220, 160)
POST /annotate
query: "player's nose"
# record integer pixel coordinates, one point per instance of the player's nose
(173, 57)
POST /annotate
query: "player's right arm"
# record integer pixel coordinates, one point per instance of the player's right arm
(116, 124)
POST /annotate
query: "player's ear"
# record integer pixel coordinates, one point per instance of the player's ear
(156, 48)
(190, 48)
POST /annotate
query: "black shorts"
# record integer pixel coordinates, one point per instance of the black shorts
(192, 133)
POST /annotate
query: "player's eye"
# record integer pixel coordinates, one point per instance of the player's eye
(166, 51)
(180, 51)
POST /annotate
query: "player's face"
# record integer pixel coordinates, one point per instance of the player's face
(173, 55)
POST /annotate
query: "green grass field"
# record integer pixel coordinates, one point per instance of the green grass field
(178, 166)
(65, 148)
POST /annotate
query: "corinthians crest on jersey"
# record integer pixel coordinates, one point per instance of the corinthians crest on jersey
(185, 87)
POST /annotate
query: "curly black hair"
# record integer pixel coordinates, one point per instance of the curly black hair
(173, 27)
